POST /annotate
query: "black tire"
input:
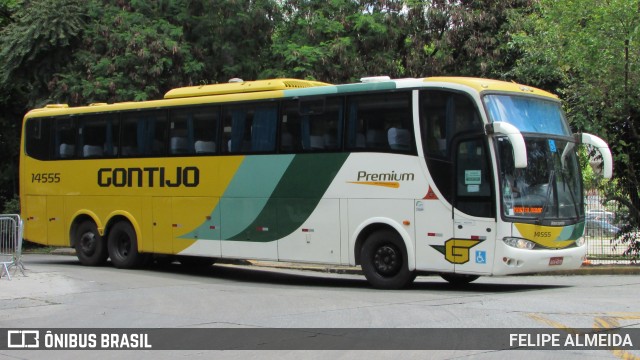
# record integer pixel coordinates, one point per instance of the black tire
(91, 249)
(384, 261)
(459, 279)
(123, 246)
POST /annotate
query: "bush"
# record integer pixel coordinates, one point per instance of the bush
(11, 206)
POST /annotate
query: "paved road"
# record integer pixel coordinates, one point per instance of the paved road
(59, 292)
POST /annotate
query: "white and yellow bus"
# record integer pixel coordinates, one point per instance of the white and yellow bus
(462, 177)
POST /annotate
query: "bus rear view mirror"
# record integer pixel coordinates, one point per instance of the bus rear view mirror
(515, 137)
(603, 148)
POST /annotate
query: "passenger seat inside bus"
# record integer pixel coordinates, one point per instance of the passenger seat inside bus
(92, 151)
(179, 145)
(67, 150)
(205, 147)
(399, 139)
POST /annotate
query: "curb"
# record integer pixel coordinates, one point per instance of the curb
(586, 269)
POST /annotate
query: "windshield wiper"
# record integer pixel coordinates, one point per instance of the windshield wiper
(552, 177)
(563, 161)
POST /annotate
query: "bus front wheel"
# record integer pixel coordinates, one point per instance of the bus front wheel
(384, 261)
(91, 249)
(123, 246)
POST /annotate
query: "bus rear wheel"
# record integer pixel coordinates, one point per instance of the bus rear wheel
(91, 249)
(123, 246)
(384, 261)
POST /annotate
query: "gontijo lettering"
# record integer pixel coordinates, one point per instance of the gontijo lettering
(149, 177)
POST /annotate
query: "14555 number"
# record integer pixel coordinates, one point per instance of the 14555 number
(45, 178)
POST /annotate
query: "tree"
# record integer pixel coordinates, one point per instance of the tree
(462, 38)
(231, 38)
(35, 44)
(130, 51)
(138, 50)
(591, 47)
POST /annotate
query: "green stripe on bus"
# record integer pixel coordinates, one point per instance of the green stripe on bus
(295, 198)
(251, 186)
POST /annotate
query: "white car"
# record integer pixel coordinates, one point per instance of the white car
(600, 214)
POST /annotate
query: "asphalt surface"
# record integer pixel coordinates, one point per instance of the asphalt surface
(58, 292)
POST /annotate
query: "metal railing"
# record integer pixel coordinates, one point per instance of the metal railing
(11, 228)
(610, 239)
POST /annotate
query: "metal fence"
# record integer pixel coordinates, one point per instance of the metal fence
(610, 240)
(10, 244)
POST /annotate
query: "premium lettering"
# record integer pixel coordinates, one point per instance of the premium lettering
(392, 176)
(149, 177)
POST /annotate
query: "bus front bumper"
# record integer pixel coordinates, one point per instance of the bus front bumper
(511, 260)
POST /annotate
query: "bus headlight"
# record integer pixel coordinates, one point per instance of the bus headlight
(519, 243)
(581, 241)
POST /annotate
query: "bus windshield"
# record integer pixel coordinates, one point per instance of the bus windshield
(528, 114)
(549, 188)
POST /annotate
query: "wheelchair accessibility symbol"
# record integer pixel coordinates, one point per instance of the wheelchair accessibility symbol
(481, 257)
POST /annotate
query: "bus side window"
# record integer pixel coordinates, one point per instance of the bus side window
(311, 125)
(473, 179)
(193, 131)
(65, 138)
(205, 126)
(98, 136)
(144, 133)
(290, 128)
(444, 115)
(250, 128)
(380, 122)
(37, 138)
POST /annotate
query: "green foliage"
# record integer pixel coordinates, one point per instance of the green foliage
(35, 45)
(127, 53)
(462, 38)
(11, 206)
(313, 42)
(590, 50)
(141, 50)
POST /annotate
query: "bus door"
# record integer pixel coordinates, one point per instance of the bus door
(474, 209)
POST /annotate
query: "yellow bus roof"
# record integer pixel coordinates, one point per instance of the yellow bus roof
(241, 87)
(483, 85)
(286, 87)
